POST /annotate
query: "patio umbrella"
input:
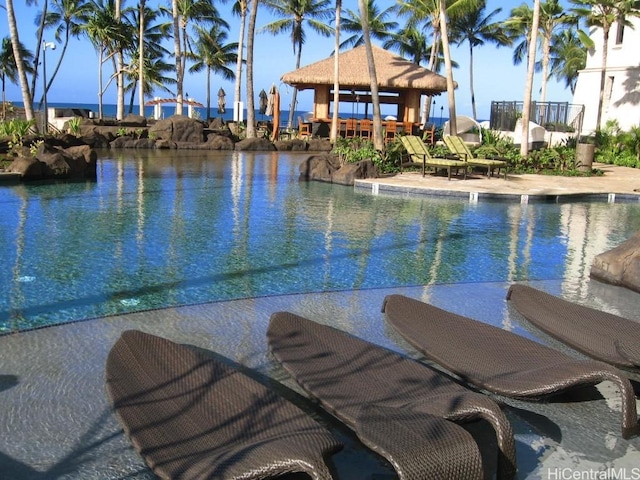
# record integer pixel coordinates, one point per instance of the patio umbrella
(221, 101)
(263, 101)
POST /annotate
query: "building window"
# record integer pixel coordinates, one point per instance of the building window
(620, 31)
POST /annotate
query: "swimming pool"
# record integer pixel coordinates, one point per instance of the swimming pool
(167, 228)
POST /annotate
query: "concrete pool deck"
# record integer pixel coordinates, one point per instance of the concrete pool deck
(616, 184)
(56, 422)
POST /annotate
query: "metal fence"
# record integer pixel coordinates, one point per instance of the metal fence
(554, 116)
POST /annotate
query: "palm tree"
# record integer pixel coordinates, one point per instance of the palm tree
(148, 51)
(375, 99)
(380, 27)
(251, 33)
(294, 15)
(17, 55)
(155, 75)
(518, 27)
(39, 35)
(8, 67)
(409, 42)
(568, 55)
(184, 12)
(526, 107)
(603, 14)
(177, 51)
(552, 17)
(66, 18)
(240, 9)
(213, 53)
(105, 33)
(336, 74)
(476, 28)
(452, 10)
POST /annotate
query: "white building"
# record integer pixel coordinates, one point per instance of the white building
(622, 83)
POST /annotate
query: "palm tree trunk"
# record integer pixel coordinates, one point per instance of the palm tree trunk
(294, 94)
(120, 68)
(251, 111)
(178, 55)
(378, 141)
(141, 59)
(336, 75)
(100, 88)
(58, 63)
(453, 127)
(473, 95)
(546, 52)
(208, 93)
(526, 108)
(238, 85)
(17, 54)
(603, 75)
(36, 57)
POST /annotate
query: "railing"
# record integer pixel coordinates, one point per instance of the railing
(555, 116)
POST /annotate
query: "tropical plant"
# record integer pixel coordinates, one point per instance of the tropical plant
(17, 129)
(74, 125)
(380, 26)
(476, 29)
(294, 15)
(213, 54)
(603, 14)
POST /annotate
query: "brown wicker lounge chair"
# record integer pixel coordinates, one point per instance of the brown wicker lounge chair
(600, 335)
(500, 361)
(191, 416)
(395, 405)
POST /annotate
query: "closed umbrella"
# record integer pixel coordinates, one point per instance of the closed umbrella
(263, 102)
(221, 101)
(273, 109)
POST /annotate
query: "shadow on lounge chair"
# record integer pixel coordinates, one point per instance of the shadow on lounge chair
(192, 416)
(398, 407)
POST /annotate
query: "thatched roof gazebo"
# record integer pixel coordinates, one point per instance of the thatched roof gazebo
(400, 82)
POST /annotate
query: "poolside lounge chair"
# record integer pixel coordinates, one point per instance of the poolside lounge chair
(192, 416)
(500, 361)
(600, 335)
(419, 153)
(456, 146)
(398, 407)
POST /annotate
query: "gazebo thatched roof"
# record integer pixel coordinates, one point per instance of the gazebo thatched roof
(393, 71)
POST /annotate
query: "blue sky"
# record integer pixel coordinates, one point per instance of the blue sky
(496, 78)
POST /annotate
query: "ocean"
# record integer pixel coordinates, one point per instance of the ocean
(109, 111)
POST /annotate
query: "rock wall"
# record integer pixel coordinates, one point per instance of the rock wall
(620, 266)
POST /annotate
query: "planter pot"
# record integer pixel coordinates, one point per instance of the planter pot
(584, 156)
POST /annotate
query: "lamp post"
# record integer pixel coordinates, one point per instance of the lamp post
(45, 120)
(433, 111)
(441, 110)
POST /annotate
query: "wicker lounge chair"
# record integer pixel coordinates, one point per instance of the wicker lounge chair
(600, 335)
(456, 146)
(500, 361)
(192, 416)
(419, 154)
(398, 407)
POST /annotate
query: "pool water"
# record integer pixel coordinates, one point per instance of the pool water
(168, 228)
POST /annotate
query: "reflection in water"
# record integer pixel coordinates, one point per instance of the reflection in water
(166, 228)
